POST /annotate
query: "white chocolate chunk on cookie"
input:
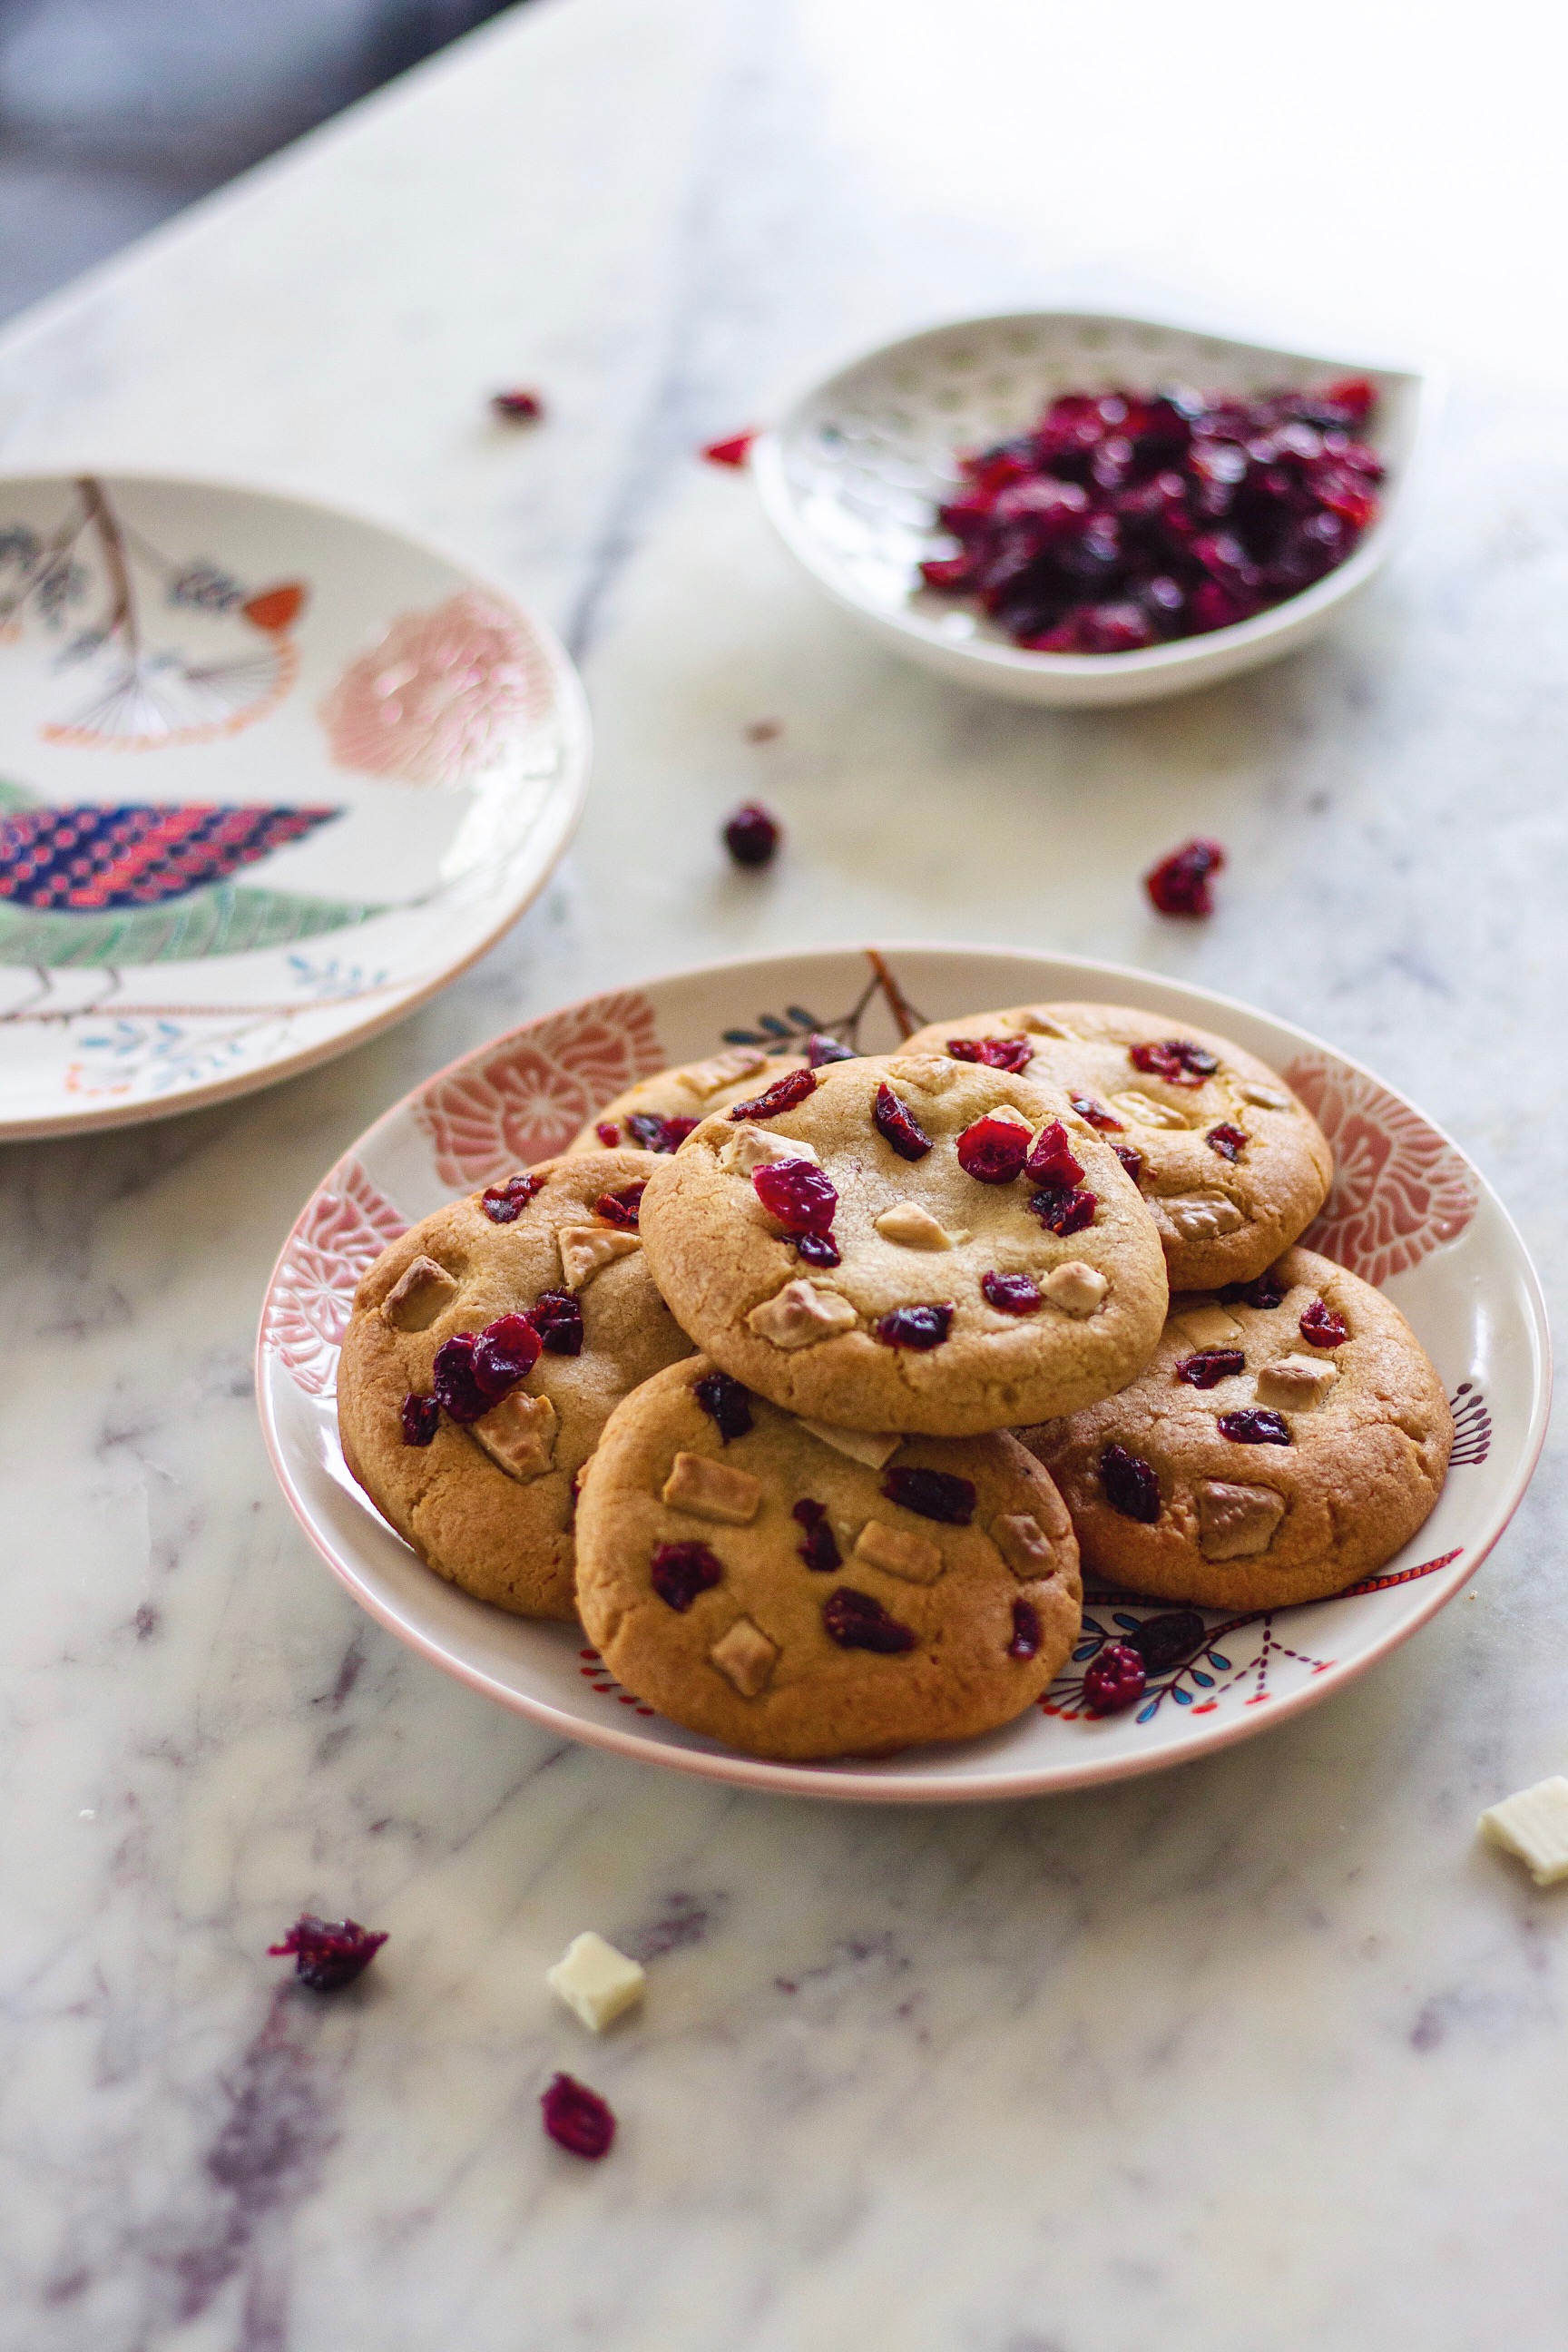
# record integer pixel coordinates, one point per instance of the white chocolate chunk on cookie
(1208, 1327)
(1266, 1098)
(519, 1435)
(869, 1446)
(1201, 1216)
(1142, 1110)
(1076, 1289)
(1534, 1826)
(1296, 1383)
(711, 1490)
(911, 1227)
(1024, 1545)
(1235, 1522)
(898, 1552)
(749, 1146)
(419, 1295)
(585, 1250)
(1040, 1024)
(930, 1072)
(800, 1314)
(598, 1983)
(705, 1079)
(745, 1657)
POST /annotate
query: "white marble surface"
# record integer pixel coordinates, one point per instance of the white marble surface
(1263, 2055)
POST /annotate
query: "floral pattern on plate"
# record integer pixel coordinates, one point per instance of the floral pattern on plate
(1400, 1189)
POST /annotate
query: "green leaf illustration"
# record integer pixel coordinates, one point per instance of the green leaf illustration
(223, 919)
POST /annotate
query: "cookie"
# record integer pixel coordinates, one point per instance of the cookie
(482, 1484)
(1285, 1441)
(909, 1243)
(658, 1113)
(760, 1584)
(1233, 1167)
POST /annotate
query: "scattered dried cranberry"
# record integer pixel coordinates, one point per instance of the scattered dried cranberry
(1116, 1678)
(518, 407)
(732, 452)
(576, 2119)
(1229, 1141)
(1011, 1294)
(1131, 1485)
(1050, 1160)
(820, 1050)
(797, 1195)
(751, 835)
(651, 1133)
(763, 730)
(1026, 1640)
(820, 1550)
(1131, 1160)
(1176, 1060)
(505, 1352)
(1266, 1290)
(1254, 1425)
(1012, 1053)
(727, 1404)
(557, 1316)
(1161, 1640)
(452, 1378)
(1180, 884)
(782, 1096)
(934, 1494)
(896, 1124)
(421, 1418)
(914, 1326)
(817, 1249)
(992, 1150)
(328, 1953)
(503, 1203)
(1322, 1328)
(608, 1133)
(1210, 1366)
(1062, 1209)
(1096, 1113)
(622, 1208)
(856, 1622)
(679, 1572)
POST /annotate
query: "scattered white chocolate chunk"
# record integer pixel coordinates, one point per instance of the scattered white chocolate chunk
(585, 1250)
(519, 1435)
(1076, 1289)
(1199, 1216)
(912, 1227)
(745, 1657)
(898, 1552)
(712, 1490)
(866, 1445)
(705, 1079)
(1296, 1383)
(1266, 1098)
(1142, 1110)
(1235, 1522)
(1024, 1545)
(418, 1294)
(596, 1981)
(1534, 1826)
(800, 1314)
(1206, 1326)
(749, 1146)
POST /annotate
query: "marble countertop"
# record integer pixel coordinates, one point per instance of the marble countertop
(1259, 2054)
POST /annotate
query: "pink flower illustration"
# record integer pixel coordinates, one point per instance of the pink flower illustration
(1399, 1191)
(528, 1099)
(346, 1226)
(439, 698)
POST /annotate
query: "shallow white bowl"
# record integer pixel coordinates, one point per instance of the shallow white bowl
(852, 475)
(1408, 1210)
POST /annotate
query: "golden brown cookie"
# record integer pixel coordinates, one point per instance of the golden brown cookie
(482, 1484)
(909, 1243)
(757, 1582)
(658, 1113)
(1286, 1440)
(1233, 1167)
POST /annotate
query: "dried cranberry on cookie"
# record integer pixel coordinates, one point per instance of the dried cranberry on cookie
(658, 1113)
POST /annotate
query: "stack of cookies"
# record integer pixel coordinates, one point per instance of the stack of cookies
(805, 1384)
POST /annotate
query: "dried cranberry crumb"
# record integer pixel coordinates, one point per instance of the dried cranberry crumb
(518, 407)
(421, 1419)
(1322, 1328)
(576, 2119)
(503, 1204)
(817, 1249)
(1266, 1290)
(797, 1195)
(820, 1550)
(820, 1050)
(557, 1316)
(1180, 884)
(649, 1132)
(782, 1096)
(896, 1124)
(1131, 1485)
(732, 452)
(1229, 1141)
(1050, 1160)
(1012, 1053)
(452, 1378)
(1096, 1113)
(1210, 1366)
(992, 1150)
(751, 836)
(1176, 1060)
(1011, 1294)
(1160, 1642)
(328, 1953)
(505, 1352)
(622, 1208)
(679, 1572)
(1026, 1640)
(1062, 1209)
(934, 1494)
(727, 1404)
(1254, 1425)
(1117, 1678)
(856, 1622)
(609, 1134)
(1132, 1159)
(914, 1326)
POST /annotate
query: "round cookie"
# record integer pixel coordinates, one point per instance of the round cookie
(890, 1320)
(757, 1584)
(488, 1503)
(658, 1113)
(1188, 1513)
(1233, 1168)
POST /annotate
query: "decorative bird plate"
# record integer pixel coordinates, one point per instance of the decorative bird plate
(269, 776)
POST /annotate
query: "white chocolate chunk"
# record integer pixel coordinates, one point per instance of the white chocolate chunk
(1025, 1546)
(1296, 1383)
(596, 1981)
(1266, 1098)
(1206, 1326)
(705, 1079)
(749, 1146)
(1011, 1117)
(1041, 1023)
(1235, 1522)
(519, 1433)
(932, 1072)
(712, 1490)
(418, 1294)
(1076, 1289)
(745, 1657)
(1142, 1110)
(912, 1227)
(585, 1250)
(1534, 1826)
(1201, 1216)
(861, 1444)
(898, 1552)
(800, 1314)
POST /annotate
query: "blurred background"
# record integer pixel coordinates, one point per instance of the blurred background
(114, 113)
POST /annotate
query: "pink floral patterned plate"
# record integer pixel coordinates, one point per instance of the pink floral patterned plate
(1408, 1210)
(269, 776)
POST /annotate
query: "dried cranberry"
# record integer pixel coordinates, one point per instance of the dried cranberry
(820, 1550)
(505, 1352)
(782, 1096)
(820, 1050)
(1130, 1485)
(576, 2119)
(649, 1132)
(1012, 1053)
(797, 1193)
(452, 1378)
(732, 452)
(934, 1494)
(1180, 884)
(1131, 1160)
(609, 1134)
(1160, 1642)
(1254, 1425)
(1210, 1366)
(751, 835)
(1117, 1678)
(679, 1572)
(1322, 1328)
(557, 1316)
(1063, 1210)
(897, 1125)
(1011, 1294)
(914, 1326)
(503, 1203)
(518, 407)
(1026, 1640)
(727, 1404)
(1177, 1060)
(1266, 1290)
(817, 1249)
(421, 1418)
(1050, 1160)
(856, 1622)
(622, 1208)
(1096, 1113)
(1229, 1141)
(328, 1953)
(992, 1150)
